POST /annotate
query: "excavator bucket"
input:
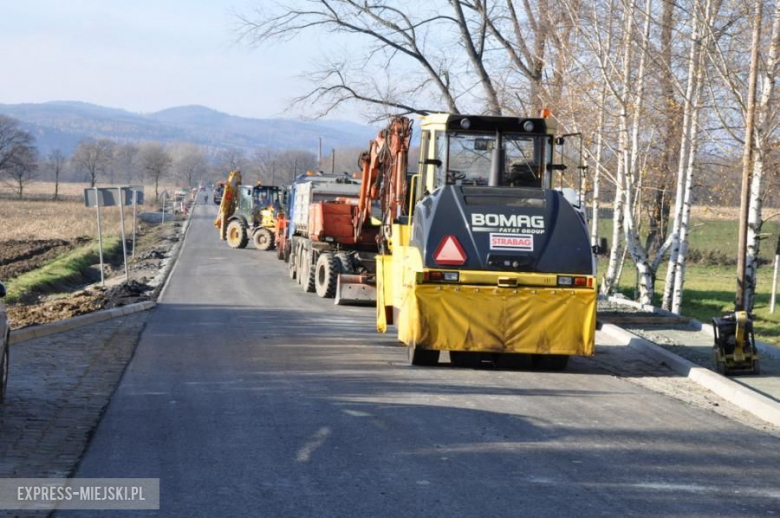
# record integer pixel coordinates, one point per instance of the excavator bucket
(355, 289)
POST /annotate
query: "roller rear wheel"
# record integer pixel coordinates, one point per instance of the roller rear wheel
(422, 357)
(550, 362)
(465, 359)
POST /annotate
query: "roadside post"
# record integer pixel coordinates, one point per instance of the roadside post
(120, 191)
(108, 197)
(100, 234)
(164, 196)
(138, 197)
(774, 277)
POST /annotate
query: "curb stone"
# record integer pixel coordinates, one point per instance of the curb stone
(757, 404)
(22, 335)
(763, 347)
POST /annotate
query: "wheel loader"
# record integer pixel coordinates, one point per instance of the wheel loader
(484, 252)
(249, 212)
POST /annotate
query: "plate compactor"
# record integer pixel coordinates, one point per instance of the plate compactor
(735, 346)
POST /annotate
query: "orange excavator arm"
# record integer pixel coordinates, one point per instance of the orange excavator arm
(384, 174)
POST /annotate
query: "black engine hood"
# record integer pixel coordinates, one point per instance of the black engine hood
(504, 229)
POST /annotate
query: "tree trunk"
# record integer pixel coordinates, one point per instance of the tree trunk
(611, 277)
(747, 159)
(638, 253)
(659, 213)
(685, 209)
(594, 222)
(687, 130)
(619, 206)
(57, 184)
(600, 129)
(763, 148)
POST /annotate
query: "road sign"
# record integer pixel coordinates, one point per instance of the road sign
(110, 196)
(121, 196)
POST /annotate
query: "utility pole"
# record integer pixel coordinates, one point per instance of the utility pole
(333, 161)
(747, 158)
(319, 154)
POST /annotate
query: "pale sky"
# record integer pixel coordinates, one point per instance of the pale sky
(146, 55)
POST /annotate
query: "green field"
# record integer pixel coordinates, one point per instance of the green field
(709, 288)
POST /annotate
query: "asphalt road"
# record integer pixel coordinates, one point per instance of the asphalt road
(247, 396)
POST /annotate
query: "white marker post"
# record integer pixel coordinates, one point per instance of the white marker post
(135, 216)
(100, 236)
(120, 192)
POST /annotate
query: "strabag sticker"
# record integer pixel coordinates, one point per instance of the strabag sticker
(514, 242)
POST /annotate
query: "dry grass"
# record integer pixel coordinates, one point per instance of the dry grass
(69, 190)
(38, 217)
(57, 220)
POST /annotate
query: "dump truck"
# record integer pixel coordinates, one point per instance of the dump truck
(326, 257)
(249, 212)
(479, 254)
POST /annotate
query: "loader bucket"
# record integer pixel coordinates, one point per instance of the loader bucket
(355, 289)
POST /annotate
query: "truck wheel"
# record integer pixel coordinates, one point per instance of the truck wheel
(345, 261)
(422, 357)
(291, 268)
(299, 265)
(307, 276)
(236, 234)
(263, 239)
(550, 362)
(326, 274)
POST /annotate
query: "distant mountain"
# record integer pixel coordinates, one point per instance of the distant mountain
(63, 123)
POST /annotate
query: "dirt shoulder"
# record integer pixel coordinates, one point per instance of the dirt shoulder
(18, 256)
(154, 247)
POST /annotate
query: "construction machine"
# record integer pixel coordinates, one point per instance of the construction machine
(248, 211)
(485, 251)
(326, 256)
(735, 350)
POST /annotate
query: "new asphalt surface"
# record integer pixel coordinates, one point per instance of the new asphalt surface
(247, 396)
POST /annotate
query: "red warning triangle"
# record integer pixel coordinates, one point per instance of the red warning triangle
(449, 252)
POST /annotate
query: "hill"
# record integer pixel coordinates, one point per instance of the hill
(63, 123)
